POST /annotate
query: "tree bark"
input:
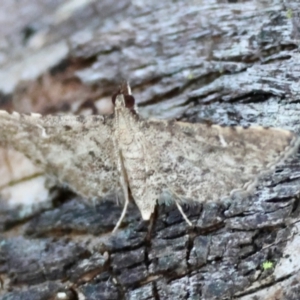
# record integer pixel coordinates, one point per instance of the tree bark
(227, 63)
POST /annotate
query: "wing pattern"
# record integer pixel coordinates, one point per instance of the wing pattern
(199, 162)
(78, 150)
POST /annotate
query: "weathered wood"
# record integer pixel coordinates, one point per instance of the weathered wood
(229, 63)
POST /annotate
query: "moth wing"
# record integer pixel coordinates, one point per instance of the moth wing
(205, 163)
(77, 150)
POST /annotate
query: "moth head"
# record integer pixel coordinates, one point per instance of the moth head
(123, 98)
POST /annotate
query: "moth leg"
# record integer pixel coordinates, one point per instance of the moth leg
(126, 195)
(183, 214)
(124, 187)
(175, 195)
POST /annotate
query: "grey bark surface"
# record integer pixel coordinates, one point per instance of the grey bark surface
(228, 63)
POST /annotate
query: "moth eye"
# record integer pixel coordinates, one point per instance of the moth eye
(129, 101)
(113, 98)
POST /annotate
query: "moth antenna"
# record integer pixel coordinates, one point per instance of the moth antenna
(125, 88)
(183, 214)
(129, 88)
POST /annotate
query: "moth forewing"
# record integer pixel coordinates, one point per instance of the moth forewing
(202, 163)
(75, 149)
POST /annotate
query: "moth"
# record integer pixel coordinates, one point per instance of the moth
(147, 160)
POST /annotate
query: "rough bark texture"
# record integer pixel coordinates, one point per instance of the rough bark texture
(230, 63)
